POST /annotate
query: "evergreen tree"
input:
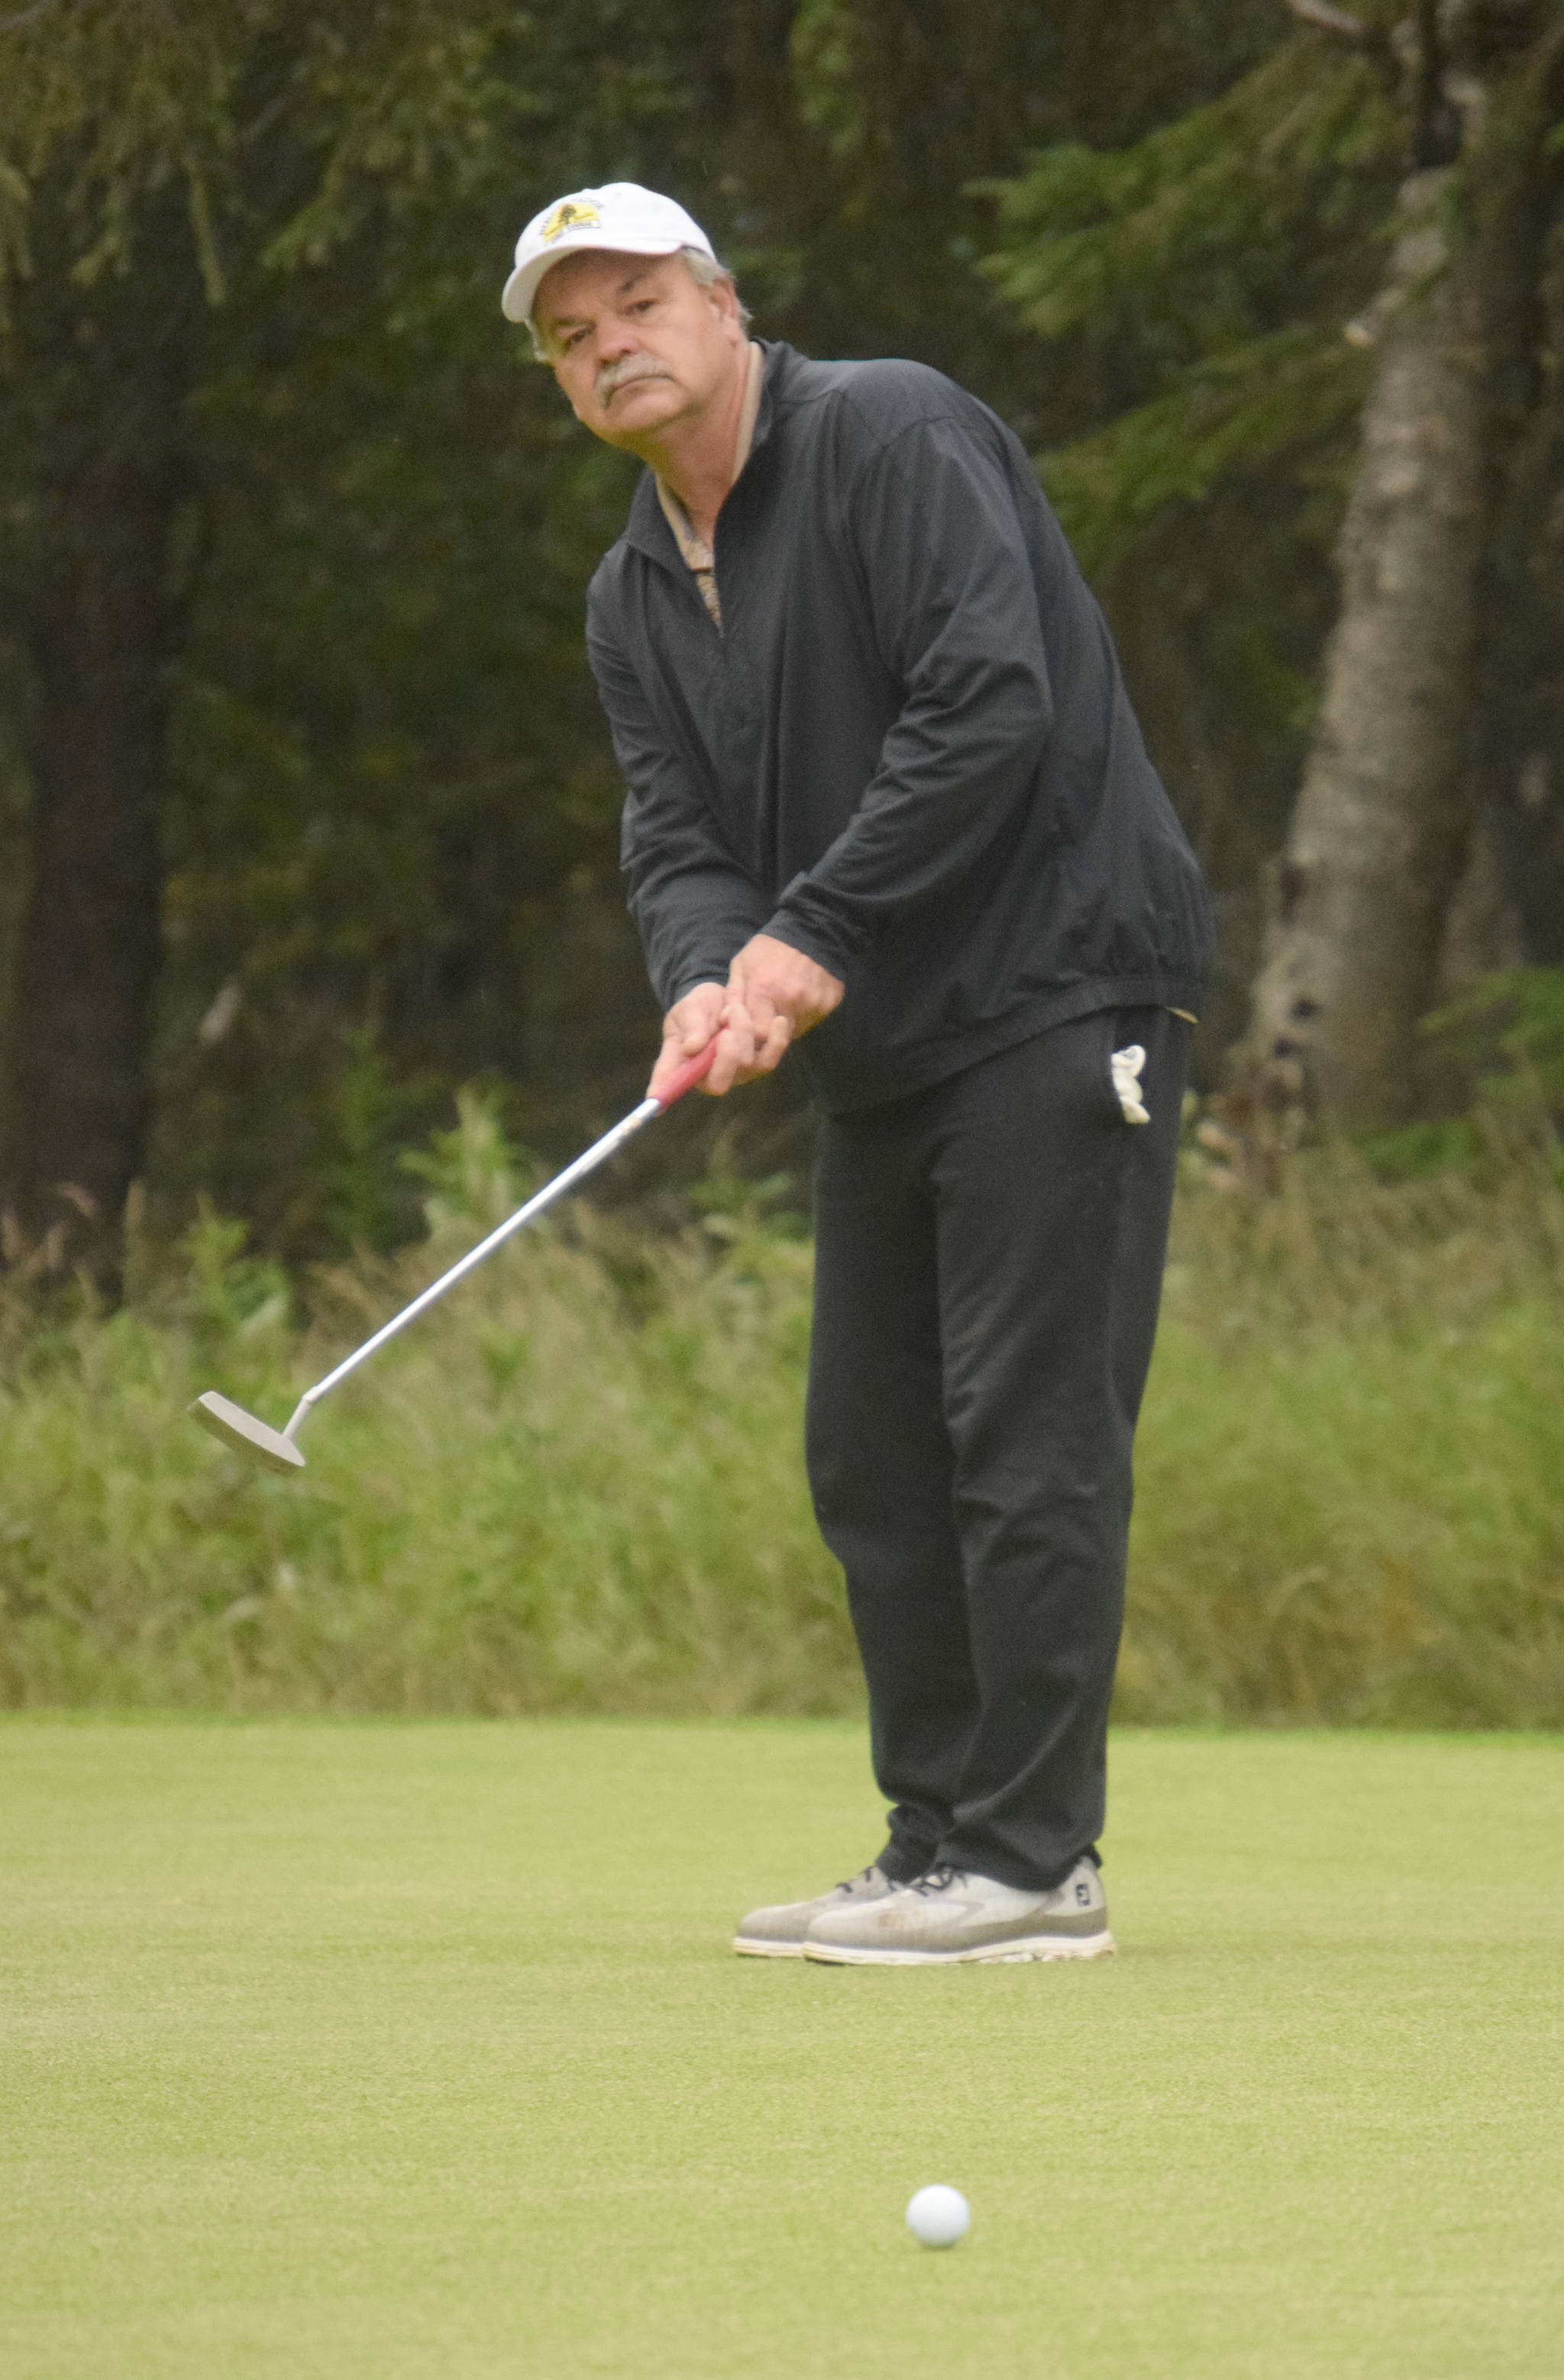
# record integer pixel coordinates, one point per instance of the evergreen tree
(291, 607)
(321, 816)
(1191, 290)
(1335, 271)
(350, 756)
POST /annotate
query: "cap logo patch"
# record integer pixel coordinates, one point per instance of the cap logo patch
(568, 215)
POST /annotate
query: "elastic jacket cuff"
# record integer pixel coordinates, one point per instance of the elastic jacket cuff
(823, 949)
(688, 984)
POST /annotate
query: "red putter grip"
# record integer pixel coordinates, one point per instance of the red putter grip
(692, 1072)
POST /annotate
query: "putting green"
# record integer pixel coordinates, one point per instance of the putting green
(365, 2048)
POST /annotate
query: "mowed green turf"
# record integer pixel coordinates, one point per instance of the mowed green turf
(378, 2049)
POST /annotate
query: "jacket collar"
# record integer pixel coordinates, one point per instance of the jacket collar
(647, 527)
(696, 552)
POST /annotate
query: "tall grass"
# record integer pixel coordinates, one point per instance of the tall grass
(577, 1485)
(1351, 1484)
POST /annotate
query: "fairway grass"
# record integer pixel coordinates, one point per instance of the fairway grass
(351, 2050)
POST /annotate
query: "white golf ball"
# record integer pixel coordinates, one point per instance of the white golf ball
(938, 2216)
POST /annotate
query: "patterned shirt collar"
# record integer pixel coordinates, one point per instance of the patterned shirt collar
(697, 555)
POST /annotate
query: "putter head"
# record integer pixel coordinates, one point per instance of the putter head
(245, 1434)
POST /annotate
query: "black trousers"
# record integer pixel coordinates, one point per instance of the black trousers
(988, 1262)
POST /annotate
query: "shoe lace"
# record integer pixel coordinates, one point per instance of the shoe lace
(935, 1879)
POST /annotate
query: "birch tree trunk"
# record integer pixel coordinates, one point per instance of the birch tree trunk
(1383, 816)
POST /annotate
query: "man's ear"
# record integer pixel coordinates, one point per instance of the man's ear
(723, 297)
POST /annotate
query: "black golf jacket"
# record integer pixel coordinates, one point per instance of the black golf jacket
(907, 752)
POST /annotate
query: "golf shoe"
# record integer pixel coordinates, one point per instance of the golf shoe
(779, 1933)
(951, 1915)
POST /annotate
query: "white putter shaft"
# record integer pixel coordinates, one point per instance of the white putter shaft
(276, 1449)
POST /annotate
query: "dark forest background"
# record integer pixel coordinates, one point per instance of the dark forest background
(309, 815)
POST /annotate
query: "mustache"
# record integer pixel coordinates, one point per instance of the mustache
(620, 374)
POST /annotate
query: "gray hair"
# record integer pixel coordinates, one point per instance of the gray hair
(703, 270)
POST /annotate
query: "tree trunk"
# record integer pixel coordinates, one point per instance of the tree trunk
(100, 641)
(1383, 817)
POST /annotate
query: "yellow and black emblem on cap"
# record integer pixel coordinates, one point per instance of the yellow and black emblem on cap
(569, 215)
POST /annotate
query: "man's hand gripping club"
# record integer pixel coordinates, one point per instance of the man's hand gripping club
(772, 996)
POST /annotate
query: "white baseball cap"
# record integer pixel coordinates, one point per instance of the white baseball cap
(620, 216)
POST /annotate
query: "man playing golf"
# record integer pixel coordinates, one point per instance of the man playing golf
(887, 799)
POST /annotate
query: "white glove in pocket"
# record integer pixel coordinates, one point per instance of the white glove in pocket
(1126, 1066)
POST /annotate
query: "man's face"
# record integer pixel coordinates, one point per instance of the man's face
(635, 342)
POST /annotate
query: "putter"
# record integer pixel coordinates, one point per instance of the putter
(276, 1449)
